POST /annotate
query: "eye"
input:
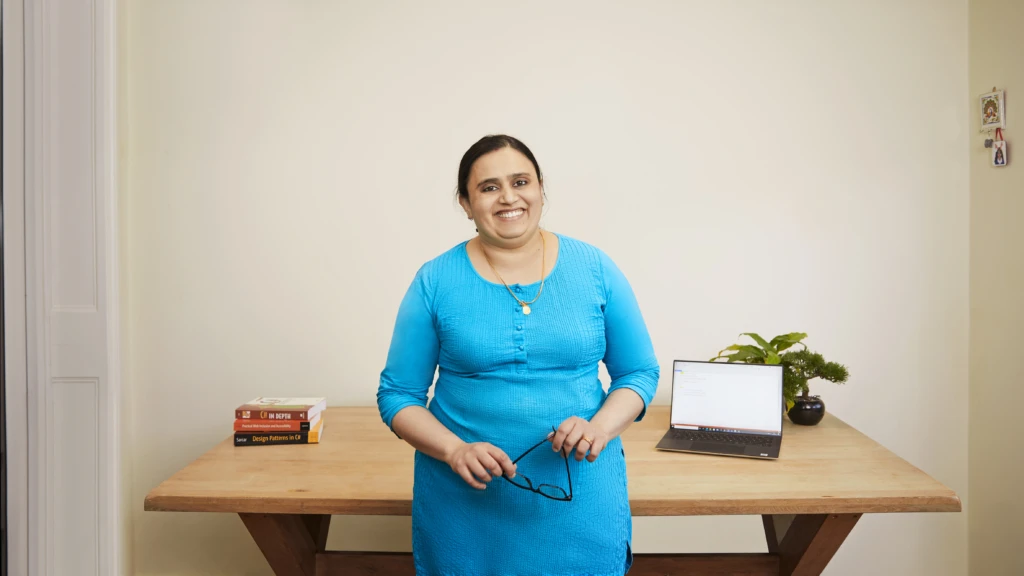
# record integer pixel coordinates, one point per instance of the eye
(521, 182)
(490, 188)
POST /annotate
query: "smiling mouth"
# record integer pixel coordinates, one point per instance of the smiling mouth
(510, 214)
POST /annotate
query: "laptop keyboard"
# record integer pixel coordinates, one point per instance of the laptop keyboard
(731, 438)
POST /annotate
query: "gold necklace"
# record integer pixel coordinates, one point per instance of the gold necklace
(543, 266)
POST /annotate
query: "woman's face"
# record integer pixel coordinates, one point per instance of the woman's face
(505, 197)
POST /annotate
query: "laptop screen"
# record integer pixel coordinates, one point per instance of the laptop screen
(727, 397)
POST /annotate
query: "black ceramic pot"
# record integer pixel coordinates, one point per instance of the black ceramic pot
(807, 411)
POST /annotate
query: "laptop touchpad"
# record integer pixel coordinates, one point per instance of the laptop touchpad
(716, 447)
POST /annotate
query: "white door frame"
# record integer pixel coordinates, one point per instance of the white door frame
(16, 390)
(72, 305)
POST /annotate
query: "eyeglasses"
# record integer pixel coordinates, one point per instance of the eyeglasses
(546, 490)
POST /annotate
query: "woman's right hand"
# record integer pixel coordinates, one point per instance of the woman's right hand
(479, 461)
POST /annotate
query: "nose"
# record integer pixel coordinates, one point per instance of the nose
(508, 195)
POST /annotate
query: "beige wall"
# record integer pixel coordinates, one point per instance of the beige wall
(767, 167)
(997, 283)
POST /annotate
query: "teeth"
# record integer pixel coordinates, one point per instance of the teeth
(511, 214)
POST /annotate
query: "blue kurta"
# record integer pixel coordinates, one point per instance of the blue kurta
(507, 378)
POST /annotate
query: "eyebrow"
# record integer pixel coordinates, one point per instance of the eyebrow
(498, 181)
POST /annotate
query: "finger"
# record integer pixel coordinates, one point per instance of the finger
(563, 430)
(490, 464)
(478, 470)
(581, 449)
(559, 435)
(504, 462)
(464, 472)
(573, 439)
(595, 449)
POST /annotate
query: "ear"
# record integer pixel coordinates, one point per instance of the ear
(466, 207)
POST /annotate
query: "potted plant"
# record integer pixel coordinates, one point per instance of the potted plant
(799, 366)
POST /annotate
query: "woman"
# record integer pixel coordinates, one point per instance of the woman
(515, 321)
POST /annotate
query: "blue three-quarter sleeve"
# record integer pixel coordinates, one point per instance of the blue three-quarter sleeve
(413, 353)
(629, 355)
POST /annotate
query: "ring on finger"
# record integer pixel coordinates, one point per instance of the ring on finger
(588, 440)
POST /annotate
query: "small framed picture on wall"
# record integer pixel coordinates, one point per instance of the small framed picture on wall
(993, 110)
(999, 153)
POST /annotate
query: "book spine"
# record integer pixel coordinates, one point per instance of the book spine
(270, 438)
(271, 425)
(259, 414)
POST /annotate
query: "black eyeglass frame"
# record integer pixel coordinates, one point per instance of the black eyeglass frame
(536, 490)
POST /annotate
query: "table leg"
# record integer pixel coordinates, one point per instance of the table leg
(802, 545)
(318, 525)
(289, 542)
(806, 543)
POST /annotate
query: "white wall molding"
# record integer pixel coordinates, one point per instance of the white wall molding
(106, 79)
(14, 286)
(72, 299)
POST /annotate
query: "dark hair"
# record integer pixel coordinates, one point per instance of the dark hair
(486, 145)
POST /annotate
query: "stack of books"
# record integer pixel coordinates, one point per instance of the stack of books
(274, 421)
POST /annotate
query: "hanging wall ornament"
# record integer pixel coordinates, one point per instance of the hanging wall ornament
(1000, 152)
(993, 110)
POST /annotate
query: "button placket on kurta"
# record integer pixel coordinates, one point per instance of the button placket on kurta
(519, 332)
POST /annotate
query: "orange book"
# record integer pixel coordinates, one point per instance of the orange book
(279, 438)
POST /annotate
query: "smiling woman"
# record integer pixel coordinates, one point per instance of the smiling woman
(501, 187)
(515, 322)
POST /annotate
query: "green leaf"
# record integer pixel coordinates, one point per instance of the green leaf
(785, 341)
(772, 358)
(753, 350)
(720, 355)
(740, 348)
(764, 343)
(747, 354)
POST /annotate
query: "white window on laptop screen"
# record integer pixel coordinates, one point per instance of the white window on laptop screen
(733, 397)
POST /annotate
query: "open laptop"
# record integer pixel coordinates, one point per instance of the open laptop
(729, 409)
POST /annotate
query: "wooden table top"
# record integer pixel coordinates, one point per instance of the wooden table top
(360, 467)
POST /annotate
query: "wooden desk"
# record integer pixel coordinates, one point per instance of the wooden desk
(809, 499)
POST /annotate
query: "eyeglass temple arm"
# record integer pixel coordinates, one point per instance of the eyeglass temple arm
(567, 473)
(569, 476)
(532, 448)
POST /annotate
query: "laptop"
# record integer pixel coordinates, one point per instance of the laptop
(727, 409)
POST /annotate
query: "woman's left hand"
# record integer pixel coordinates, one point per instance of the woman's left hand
(575, 432)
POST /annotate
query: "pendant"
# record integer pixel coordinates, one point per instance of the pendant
(526, 309)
